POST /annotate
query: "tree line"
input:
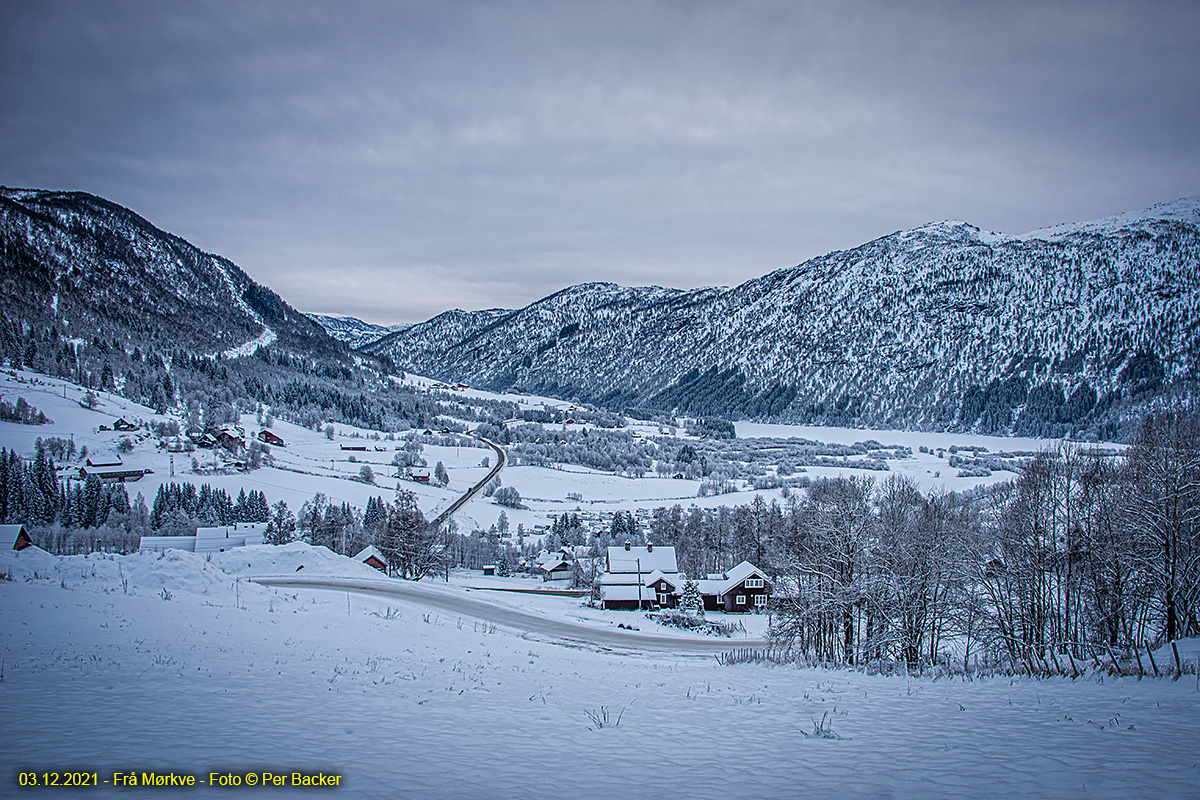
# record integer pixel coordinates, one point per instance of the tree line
(1083, 551)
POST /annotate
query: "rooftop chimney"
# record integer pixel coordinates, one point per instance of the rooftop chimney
(626, 544)
(649, 547)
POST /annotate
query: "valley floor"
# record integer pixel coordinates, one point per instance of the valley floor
(171, 663)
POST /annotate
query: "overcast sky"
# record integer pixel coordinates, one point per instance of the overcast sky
(392, 160)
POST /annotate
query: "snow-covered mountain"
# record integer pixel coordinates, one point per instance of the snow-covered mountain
(1071, 328)
(454, 324)
(88, 267)
(351, 330)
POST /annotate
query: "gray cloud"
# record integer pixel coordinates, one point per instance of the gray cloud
(394, 160)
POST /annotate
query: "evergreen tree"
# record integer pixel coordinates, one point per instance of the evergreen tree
(691, 601)
(281, 528)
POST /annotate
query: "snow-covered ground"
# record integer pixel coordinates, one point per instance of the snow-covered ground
(312, 463)
(104, 671)
(928, 470)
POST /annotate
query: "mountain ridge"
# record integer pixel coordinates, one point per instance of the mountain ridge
(75, 259)
(1075, 328)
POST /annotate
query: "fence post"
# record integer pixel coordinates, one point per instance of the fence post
(1153, 663)
(1116, 670)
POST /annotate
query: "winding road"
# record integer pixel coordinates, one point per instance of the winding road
(501, 460)
(529, 624)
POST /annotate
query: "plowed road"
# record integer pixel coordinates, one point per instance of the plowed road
(537, 626)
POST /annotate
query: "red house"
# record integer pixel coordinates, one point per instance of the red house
(742, 588)
(267, 437)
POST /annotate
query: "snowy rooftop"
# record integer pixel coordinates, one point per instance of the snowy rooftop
(721, 583)
(642, 559)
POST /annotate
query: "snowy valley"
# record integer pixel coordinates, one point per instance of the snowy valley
(916, 601)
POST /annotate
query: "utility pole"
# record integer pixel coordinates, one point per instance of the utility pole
(639, 579)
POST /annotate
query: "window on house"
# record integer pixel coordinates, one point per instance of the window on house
(739, 600)
(760, 599)
(754, 583)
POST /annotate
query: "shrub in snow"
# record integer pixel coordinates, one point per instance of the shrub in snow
(508, 496)
(677, 618)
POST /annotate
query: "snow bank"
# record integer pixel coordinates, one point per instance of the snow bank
(177, 571)
(259, 560)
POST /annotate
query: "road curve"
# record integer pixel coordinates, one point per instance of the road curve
(561, 631)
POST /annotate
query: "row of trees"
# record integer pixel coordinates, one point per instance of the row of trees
(398, 529)
(1081, 551)
(207, 505)
(1085, 549)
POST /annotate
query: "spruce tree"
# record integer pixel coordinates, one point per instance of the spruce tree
(690, 601)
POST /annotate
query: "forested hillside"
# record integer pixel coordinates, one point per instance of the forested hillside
(1074, 329)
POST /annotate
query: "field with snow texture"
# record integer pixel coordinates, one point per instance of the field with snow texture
(106, 671)
(311, 463)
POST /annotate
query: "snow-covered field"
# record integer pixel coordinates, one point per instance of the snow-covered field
(103, 673)
(928, 470)
(312, 463)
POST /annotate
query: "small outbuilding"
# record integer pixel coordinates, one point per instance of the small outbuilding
(371, 556)
(14, 537)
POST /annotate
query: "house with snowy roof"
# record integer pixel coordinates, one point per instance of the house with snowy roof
(738, 589)
(269, 437)
(556, 569)
(103, 461)
(231, 437)
(558, 565)
(640, 577)
(119, 472)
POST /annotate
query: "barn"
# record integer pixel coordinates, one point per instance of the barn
(640, 576)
